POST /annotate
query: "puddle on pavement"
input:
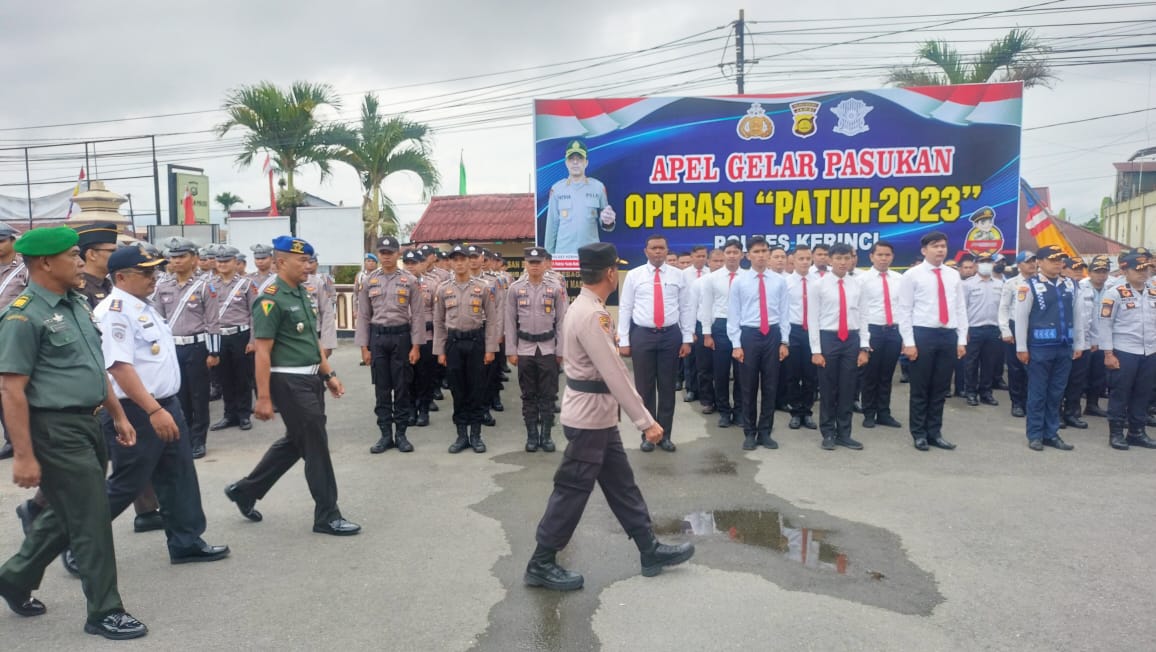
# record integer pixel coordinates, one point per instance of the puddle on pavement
(713, 462)
(764, 529)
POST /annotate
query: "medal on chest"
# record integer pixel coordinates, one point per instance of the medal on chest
(155, 348)
(300, 327)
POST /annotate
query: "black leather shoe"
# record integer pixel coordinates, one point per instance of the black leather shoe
(1063, 425)
(199, 451)
(1151, 422)
(68, 560)
(477, 444)
(857, 407)
(422, 419)
(988, 400)
(972, 400)
(244, 505)
(999, 384)
(1036, 445)
(708, 409)
(488, 419)
(828, 444)
(1095, 411)
(1140, 440)
(847, 442)
(438, 396)
(678, 386)
(117, 626)
(656, 555)
(1116, 440)
(1017, 412)
(245, 424)
(27, 512)
(690, 397)
(384, 443)
(724, 421)
(433, 406)
(338, 527)
(795, 423)
(148, 522)
(646, 447)
(868, 421)
(403, 444)
(1076, 422)
(547, 444)
(809, 423)
(544, 571)
(6, 451)
(204, 552)
(1059, 444)
(888, 421)
(766, 441)
(921, 444)
(222, 424)
(940, 442)
(667, 445)
(497, 406)
(411, 420)
(460, 444)
(736, 417)
(749, 442)
(22, 603)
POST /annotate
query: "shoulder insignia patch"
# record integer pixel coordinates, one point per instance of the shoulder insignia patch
(116, 305)
(374, 281)
(16, 318)
(1106, 308)
(271, 289)
(604, 322)
(1125, 291)
(21, 301)
(477, 289)
(1022, 293)
(267, 306)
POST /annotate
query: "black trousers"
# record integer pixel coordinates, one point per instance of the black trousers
(960, 375)
(392, 377)
(759, 372)
(300, 399)
(425, 376)
(801, 376)
(194, 392)
(493, 387)
(538, 380)
(1097, 376)
(704, 367)
(879, 372)
(690, 365)
(984, 350)
(592, 456)
(837, 383)
(725, 367)
(930, 379)
(1077, 385)
(167, 465)
(655, 356)
(1131, 388)
(466, 371)
(235, 372)
(1017, 374)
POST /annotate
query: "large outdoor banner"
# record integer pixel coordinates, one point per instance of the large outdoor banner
(851, 166)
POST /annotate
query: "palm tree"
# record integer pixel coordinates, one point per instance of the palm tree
(227, 200)
(285, 123)
(1019, 55)
(379, 148)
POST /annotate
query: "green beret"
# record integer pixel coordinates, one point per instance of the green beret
(47, 241)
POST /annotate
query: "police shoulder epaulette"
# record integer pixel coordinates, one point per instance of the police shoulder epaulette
(271, 289)
(21, 302)
(115, 305)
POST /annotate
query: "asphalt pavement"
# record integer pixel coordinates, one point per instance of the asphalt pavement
(988, 547)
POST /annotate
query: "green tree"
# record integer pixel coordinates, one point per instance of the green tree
(1094, 225)
(284, 123)
(1019, 55)
(227, 200)
(378, 148)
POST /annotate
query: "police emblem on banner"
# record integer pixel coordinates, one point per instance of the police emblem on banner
(805, 114)
(756, 125)
(851, 114)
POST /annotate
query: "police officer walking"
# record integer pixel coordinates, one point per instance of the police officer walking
(535, 312)
(1127, 332)
(53, 380)
(141, 356)
(597, 385)
(389, 332)
(1049, 335)
(234, 294)
(465, 341)
(292, 373)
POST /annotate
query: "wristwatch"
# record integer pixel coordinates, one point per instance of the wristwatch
(326, 377)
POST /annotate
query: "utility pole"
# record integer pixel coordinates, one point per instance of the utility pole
(740, 55)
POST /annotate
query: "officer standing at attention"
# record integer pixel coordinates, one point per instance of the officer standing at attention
(234, 294)
(1095, 285)
(292, 374)
(141, 358)
(981, 293)
(1017, 374)
(933, 322)
(798, 372)
(535, 312)
(53, 379)
(577, 207)
(323, 294)
(1049, 335)
(190, 308)
(714, 304)
(263, 261)
(390, 330)
(465, 341)
(657, 329)
(1127, 331)
(207, 262)
(424, 371)
(597, 388)
(1078, 375)
(880, 287)
(13, 280)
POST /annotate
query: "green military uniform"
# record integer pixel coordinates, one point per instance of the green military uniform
(52, 340)
(286, 315)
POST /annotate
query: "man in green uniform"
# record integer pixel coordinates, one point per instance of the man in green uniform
(53, 380)
(292, 372)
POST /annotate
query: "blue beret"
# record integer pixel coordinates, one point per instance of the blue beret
(372, 257)
(291, 245)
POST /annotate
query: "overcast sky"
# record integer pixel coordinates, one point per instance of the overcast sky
(68, 62)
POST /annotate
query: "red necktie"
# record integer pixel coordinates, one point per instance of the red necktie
(886, 299)
(698, 274)
(764, 322)
(942, 296)
(659, 307)
(804, 303)
(732, 281)
(842, 312)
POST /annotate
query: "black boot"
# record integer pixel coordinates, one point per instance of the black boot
(545, 443)
(488, 419)
(476, 442)
(403, 444)
(422, 414)
(461, 442)
(531, 436)
(545, 572)
(1116, 436)
(386, 441)
(656, 555)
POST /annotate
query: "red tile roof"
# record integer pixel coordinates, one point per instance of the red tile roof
(477, 218)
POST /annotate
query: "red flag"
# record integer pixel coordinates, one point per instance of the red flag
(75, 192)
(268, 169)
(190, 215)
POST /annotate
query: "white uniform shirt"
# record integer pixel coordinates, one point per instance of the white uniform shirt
(1007, 297)
(982, 296)
(795, 286)
(133, 332)
(714, 294)
(919, 302)
(823, 309)
(871, 285)
(636, 302)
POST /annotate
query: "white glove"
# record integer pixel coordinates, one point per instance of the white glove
(608, 216)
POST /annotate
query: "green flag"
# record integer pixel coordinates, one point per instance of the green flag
(461, 175)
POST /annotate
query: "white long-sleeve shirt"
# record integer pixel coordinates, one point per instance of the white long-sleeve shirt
(714, 294)
(871, 284)
(919, 302)
(636, 302)
(823, 310)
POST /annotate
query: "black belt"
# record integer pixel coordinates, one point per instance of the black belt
(540, 337)
(651, 329)
(87, 411)
(390, 330)
(588, 386)
(455, 335)
(429, 326)
(884, 326)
